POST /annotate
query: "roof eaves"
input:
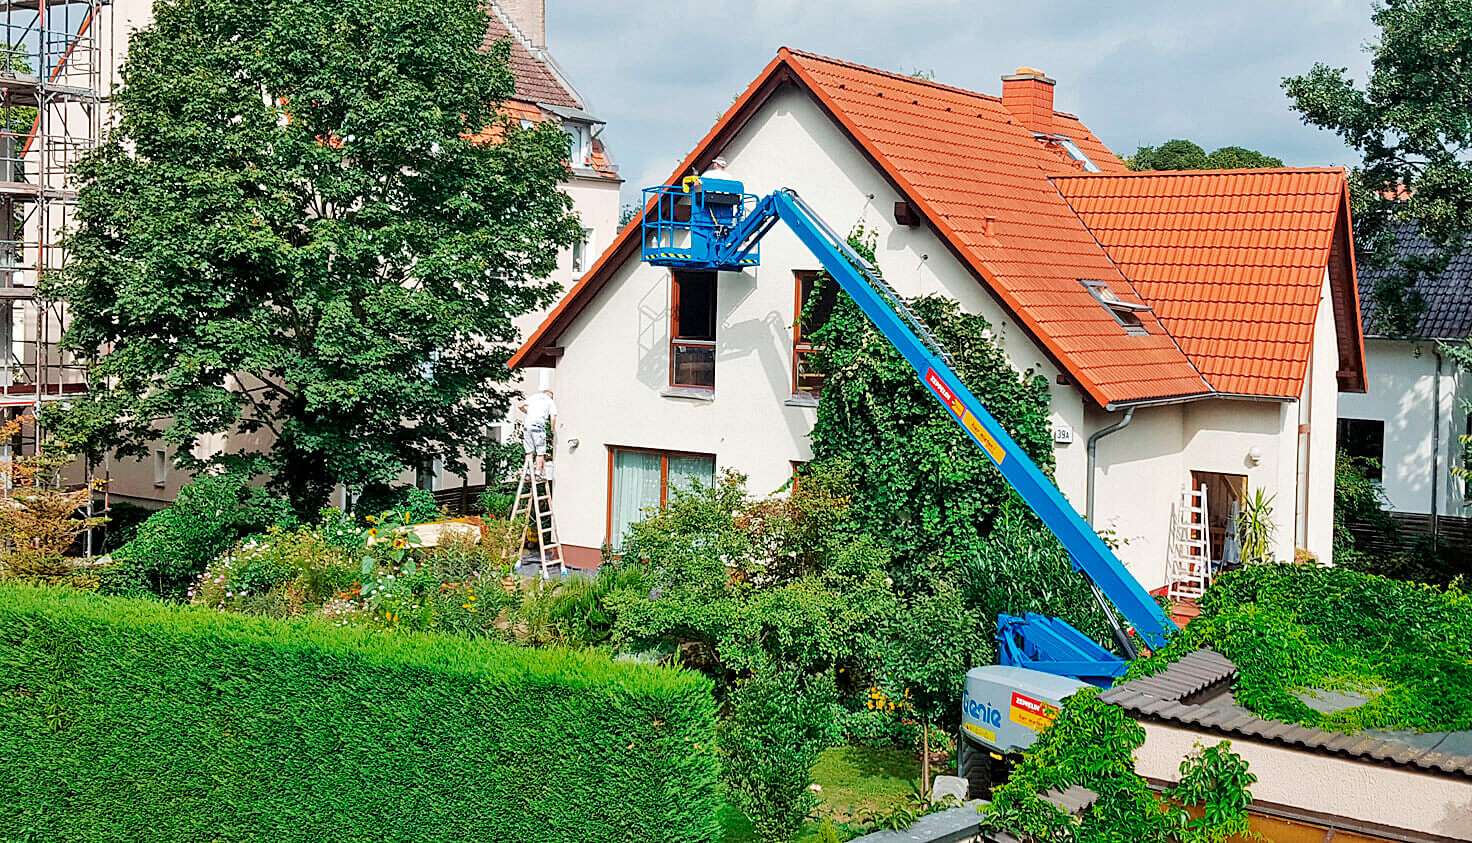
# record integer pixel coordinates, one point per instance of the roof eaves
(532, 351)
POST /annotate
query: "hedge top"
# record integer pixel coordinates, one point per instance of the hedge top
(481, 659)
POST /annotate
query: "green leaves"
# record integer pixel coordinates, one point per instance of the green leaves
(1182, 154)
(299, 230)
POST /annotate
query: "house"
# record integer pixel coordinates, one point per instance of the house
(543, 93)
(1197, 328)
(1416, 409)
(1312, 784)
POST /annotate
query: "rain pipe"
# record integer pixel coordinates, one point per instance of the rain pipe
(1129, 415)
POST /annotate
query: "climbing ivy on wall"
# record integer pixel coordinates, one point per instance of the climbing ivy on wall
(919, 482)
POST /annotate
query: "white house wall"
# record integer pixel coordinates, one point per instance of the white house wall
(616, 362)
(1403, 376)
(1365, 791)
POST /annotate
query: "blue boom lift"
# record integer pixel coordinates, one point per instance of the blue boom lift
(713, 224)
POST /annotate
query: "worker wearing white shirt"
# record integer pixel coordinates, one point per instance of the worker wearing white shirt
(541, 420)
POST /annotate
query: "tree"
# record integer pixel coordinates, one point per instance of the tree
(312, 225)
(1411, 123)
(1182, 154)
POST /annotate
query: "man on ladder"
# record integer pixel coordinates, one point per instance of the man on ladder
(541, 421)
(533, 497)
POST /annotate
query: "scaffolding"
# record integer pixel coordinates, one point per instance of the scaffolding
(52, 104)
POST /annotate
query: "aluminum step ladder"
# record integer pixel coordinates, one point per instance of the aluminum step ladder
(1189, 568)
(531, 516)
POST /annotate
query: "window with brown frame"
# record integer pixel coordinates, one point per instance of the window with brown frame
(693, 330)
(640, 479)
(811, 314)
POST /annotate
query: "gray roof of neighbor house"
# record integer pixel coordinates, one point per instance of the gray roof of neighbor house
(1196, 692)
(1448, 296)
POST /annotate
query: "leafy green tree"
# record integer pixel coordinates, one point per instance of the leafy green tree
(312, 229)
(1182, 154)
(918, 481)
(1411, 123)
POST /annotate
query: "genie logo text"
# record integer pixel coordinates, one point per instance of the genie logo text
(983, 712)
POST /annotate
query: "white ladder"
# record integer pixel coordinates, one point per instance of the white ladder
(534, 504)
(1189, 564)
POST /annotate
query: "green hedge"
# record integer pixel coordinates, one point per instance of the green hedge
(126, 719)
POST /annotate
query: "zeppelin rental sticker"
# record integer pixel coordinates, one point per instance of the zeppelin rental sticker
(1034, 714)
(953, 403)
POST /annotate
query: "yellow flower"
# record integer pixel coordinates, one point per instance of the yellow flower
(472, 598)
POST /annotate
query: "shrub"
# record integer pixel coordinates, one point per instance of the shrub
(172, 547)
(458, 558)
(133, 720)
(779, 721)
(417, 503)
(1403, 645)
(1092, 744)
(574, 610)
(495, 504)
(280, 574)
(123, 520)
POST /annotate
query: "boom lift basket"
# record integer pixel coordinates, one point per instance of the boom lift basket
(687, 226)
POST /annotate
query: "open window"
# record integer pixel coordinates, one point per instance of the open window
(814, 305)
(582, 253)
(693, 330)
(1363, 440)
(1126, 313)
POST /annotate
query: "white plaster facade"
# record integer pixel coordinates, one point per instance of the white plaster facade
(1422, 399)
(1366, 791)
(612, 378)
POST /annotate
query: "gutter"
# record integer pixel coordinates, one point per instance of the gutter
(1436, 448)
(1129, 415)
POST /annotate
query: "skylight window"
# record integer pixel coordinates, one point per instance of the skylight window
(1124, 312)
(1077, 154)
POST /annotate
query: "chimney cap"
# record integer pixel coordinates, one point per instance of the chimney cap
(1028, 73)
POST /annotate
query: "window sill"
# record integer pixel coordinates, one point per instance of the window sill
(693, 392)
(801, 399)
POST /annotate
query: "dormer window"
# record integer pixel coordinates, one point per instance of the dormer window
(1126, 313)
(580, 146)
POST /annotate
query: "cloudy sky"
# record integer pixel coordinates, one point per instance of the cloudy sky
(1136, 72)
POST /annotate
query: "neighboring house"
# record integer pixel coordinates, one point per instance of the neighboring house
(1411, 418)
(543, 93)
(1209, 319)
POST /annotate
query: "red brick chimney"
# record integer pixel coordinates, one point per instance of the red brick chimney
(1028, 94)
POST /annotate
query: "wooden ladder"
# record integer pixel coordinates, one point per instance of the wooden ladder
(534, 504)
(1189, 570)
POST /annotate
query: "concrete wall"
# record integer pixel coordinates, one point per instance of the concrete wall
(612, 380)
(1367, 792)
(1403, 380)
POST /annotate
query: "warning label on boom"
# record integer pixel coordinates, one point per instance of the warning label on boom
(972, 424)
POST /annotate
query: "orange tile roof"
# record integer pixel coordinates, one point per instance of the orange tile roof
(987, 185)
(1232, 261)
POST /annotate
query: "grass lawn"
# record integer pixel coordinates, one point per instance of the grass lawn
(855, 781)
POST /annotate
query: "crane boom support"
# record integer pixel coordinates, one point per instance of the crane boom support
(730, 244)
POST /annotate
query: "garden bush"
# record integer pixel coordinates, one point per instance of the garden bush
(173, 546)
(779, 721)
(281, 574)
(126, 719)
(1407, 647)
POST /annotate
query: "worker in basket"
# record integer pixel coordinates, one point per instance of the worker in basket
(541, 421)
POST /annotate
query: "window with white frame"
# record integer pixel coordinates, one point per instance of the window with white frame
(580, 144)
(582, 253)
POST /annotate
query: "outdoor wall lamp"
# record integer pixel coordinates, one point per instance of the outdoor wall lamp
(1255, 454)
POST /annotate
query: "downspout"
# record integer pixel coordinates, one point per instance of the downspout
(1129, 414)
(1435, 448)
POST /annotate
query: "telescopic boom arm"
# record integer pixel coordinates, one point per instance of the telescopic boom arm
(726, 238)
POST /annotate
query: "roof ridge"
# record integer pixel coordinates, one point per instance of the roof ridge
(1239, 171)
(931, 83)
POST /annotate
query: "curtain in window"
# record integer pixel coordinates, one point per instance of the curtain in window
(684, 470)
(635, 488)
